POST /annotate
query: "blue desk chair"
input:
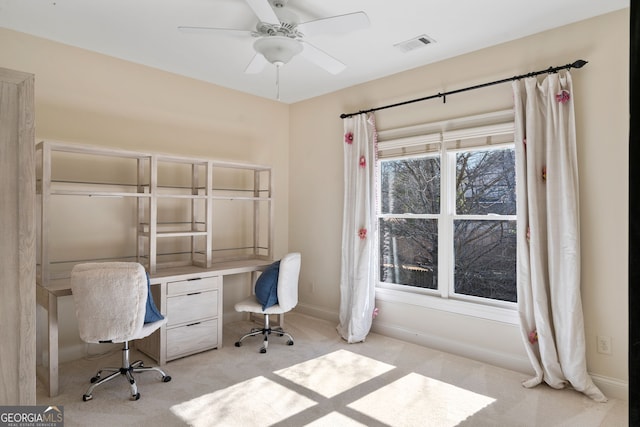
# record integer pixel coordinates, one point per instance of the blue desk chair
(276, 292)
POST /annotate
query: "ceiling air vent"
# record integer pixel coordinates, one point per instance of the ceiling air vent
(414, 43)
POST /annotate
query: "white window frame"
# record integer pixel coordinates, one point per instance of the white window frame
(446, 135)
(450, 216)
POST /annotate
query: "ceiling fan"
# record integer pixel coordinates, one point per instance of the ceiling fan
(279, 36)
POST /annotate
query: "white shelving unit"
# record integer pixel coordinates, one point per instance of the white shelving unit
(189, 221)
(100, 204)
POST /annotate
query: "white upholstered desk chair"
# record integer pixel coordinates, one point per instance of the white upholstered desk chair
(287, 298)
(111, 302)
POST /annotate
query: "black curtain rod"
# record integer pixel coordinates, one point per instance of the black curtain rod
(577, 64)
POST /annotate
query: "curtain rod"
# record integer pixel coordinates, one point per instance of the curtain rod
(577, 64)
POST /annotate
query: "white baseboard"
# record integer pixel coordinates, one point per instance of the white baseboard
(613, 388)
(233, 316)
(480, 354)
(318, 312)
(71, 352)
(78, 351)
(438, 343)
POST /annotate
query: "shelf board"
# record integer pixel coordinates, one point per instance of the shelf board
(93, 150)
(97, 193)
(259, 199)
(180, 233)
(96, 183)
(181, 196)
(239, 190)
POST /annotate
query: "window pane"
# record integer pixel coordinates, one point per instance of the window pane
(486, 182)
(485, 259)
(409, 252)
(411, 186)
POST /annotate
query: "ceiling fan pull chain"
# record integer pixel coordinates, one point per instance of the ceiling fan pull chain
(278, 82)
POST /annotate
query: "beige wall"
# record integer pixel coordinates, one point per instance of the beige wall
(86, 97)
(602, 125)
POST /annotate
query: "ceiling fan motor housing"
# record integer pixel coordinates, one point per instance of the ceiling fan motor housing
(285, 29)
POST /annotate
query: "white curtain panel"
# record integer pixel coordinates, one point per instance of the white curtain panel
(549, 299)
(358, 270)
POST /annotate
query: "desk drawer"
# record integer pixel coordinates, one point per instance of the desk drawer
(194, 285)
(192, 307)
(187, 339)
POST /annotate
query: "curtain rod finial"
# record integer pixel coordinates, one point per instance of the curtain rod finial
(579, 63)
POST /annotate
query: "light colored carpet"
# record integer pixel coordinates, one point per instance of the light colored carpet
(323, 381)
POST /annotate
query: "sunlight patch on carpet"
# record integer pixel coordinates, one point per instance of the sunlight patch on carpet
(335, 419)
(416, 400)
(255, 402)
(334, 373)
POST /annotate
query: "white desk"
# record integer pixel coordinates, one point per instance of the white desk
(48, 299)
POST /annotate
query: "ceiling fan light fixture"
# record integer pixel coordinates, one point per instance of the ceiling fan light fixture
(278, 50)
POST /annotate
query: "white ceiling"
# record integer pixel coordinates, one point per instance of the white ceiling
(145, 32)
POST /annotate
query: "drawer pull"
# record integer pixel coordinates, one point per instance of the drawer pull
(193, 324)
(195, 293)
(195, 278)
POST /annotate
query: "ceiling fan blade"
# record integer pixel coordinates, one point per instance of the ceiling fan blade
(211, 30)
(321, 58)
(256, 65)
(339, 24)
(263, 11)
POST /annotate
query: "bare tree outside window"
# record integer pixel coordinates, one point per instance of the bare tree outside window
(485, 259)
(409, 252)
(408, 246)
(483, 224)
(485, 250)
(486, 182)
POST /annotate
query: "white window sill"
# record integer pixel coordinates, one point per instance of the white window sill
(498, 314)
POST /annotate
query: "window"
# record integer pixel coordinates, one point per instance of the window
(447, 215)
(484, 224)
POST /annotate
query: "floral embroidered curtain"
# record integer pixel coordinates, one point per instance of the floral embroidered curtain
(357, 276)
(549, 300)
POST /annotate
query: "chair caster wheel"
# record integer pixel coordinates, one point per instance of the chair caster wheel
(94, 379)
(86, 397)
(166, 378)
(238, 344)
(135, 396)
(263, 350)
(290, 342)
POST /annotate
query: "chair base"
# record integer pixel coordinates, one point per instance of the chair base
(266, 331)
(127, 370)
